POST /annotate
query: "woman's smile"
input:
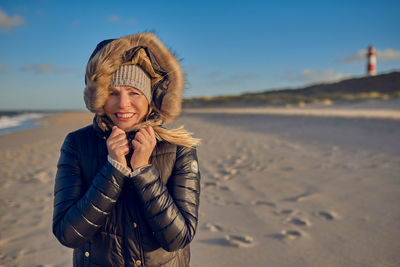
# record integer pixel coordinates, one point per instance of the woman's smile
(124, 116)
(126, 106)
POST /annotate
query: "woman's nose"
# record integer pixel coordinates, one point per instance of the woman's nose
(124, 100)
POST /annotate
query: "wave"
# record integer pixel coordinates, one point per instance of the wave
(12, 121)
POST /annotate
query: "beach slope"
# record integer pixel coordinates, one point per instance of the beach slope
(277, 190)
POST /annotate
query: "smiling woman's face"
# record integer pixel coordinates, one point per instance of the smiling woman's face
(126, 106)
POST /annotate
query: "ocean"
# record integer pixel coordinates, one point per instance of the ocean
(11, 121)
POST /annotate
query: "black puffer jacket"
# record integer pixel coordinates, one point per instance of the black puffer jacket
(112, 220)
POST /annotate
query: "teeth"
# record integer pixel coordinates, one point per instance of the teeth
(125, 115)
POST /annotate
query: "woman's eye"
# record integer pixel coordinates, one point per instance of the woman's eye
(133, 93)
(114, 93)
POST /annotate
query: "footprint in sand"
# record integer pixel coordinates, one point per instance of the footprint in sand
(235, 203)
(283, 212)
(213, 227)
(253, 165)
(227, 177)
(237, 161)
(42, 176)
(10, 203)
(233, 171)
(287, 234)
(327, 215)
(240, 241)
(263, 203)
(207, 184)
(298, 198)
(224, 188)
(227, 172)
(216, 176)
(287, 168)
(299, 222)
(260, 168)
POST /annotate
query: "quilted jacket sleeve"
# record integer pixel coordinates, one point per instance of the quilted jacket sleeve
(79, 213)
(172, 210)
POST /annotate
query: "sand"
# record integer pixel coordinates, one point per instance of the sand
(277, 189)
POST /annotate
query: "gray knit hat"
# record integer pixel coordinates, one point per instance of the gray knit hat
(133, 76)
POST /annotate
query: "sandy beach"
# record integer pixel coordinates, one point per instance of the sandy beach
(278, 189)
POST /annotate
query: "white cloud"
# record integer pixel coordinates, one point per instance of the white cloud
(8, 22)
(43, 68)
(309, 76)
(39, 68)
(357, 57)
(130, 22)
(125, 22)
(213, 75)
(388, 54)
(245, 76)
(232, 80)
(381, 55)
(113, 18)
(190, 69)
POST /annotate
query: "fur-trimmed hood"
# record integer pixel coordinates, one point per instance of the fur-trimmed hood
(110, 54)
(167, 79)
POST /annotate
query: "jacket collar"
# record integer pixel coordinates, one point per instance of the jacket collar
(103, 127)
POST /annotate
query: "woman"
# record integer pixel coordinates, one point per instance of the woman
(127, 189)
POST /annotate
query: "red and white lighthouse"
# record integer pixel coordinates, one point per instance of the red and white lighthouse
(371, 59)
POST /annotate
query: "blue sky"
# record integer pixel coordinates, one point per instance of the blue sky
(226, 47)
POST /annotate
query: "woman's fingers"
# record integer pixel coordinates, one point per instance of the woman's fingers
(116, 131)
(143, 145)
(145, 135)
(152, 135)
(117, 145)
(140, 137)
(135, 144)
(117, 141)
(125, 150)
(116, 134)
(150, 131)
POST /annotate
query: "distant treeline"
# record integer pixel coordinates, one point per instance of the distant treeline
(382, 86)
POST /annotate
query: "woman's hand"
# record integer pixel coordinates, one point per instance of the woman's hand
(143, 145)
(117, 145)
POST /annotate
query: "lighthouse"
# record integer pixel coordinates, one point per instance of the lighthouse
(371, 59)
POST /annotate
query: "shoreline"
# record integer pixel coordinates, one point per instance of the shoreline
(315, 112)
(382, 109)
